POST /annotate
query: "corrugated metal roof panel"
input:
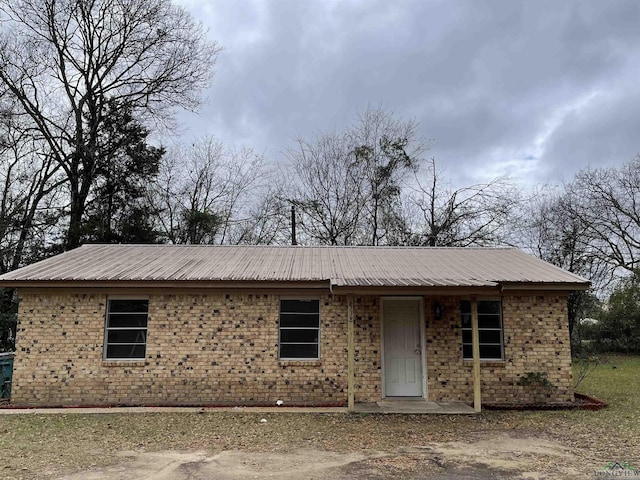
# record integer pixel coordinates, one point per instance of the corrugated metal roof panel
(344, 266)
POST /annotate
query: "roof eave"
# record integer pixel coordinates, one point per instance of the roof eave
(551, 286)
(301, 285)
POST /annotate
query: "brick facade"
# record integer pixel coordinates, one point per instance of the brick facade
(223, 349)
(536, 340)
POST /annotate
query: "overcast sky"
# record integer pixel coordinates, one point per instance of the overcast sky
(534, 90)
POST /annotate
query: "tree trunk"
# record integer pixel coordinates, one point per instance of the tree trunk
(75, 221)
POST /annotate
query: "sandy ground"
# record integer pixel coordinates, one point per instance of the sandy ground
(493, 456)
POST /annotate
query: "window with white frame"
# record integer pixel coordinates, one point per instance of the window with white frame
(299, 329)
(126, 329)
(489, 330)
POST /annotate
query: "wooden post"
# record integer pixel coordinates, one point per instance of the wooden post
(351, 353)
(475, 345)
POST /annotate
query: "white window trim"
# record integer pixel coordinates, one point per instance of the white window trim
(299, 359)
(107, 329)
(501, 330)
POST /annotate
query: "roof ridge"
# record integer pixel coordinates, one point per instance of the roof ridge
(354, 247)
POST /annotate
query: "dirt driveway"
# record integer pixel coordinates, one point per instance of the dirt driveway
(193, 444)
(494, 456)
(250, 445)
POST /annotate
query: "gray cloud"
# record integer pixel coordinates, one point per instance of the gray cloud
(527, 89)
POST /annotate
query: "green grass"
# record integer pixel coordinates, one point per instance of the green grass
(616, 380)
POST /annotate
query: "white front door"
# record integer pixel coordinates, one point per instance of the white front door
(402, 348)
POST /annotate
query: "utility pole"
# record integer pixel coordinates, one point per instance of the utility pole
(293, 226)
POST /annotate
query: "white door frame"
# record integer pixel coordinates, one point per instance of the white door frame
(423, 356)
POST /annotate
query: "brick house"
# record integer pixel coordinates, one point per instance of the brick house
(250, 325)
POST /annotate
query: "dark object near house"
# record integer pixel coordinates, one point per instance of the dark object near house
(6, 373)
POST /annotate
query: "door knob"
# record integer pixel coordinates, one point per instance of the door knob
(418, 352)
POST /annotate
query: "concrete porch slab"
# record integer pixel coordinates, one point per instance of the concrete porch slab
(415, 407)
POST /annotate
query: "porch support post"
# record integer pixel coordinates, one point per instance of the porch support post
(351, 353)
(475, 345)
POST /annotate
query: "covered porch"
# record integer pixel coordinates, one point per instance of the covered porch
(403, 345)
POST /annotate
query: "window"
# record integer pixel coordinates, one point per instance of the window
(299, 329)
(126, 331)
(489, 329)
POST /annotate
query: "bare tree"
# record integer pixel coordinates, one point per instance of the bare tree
(329, 191)
(266, 218)
(348, 185)
(63, 60)
(29, 182)
(203, 192)
(607, 204)
(460, 217)
(388, 149)
(553, 233)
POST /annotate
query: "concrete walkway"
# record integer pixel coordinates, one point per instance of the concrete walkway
(415, 406)
(399, 406)
(103, 410)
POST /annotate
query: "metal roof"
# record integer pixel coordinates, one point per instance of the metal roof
(338, 266)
